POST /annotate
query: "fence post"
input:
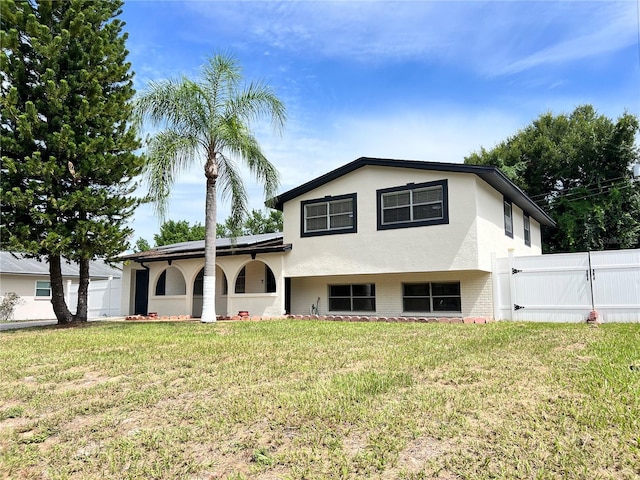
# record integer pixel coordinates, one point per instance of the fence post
(67, 293)
(109, 295)
(495, 284)
(512, 286)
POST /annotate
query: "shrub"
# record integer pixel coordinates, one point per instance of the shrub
(8, 305)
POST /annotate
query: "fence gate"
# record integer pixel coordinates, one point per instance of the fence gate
(567, 287)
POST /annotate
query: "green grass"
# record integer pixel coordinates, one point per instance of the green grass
(320, 400)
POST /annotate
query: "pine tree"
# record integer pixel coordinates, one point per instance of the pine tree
(68, 166)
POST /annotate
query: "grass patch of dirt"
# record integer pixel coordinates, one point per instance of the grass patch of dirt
(320, 400)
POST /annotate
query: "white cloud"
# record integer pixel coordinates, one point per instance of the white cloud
(492, 38)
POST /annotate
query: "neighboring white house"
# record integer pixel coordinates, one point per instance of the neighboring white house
(29, 278)
(373, 237)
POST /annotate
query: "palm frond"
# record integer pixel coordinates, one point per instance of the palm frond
(222, 76)
(256, 102)
(168, 154)
(176, 104)
(232, 188)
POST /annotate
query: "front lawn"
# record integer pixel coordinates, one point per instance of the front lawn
(313, 399)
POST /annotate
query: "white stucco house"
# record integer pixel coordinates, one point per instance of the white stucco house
(375, 237)
(29, 278)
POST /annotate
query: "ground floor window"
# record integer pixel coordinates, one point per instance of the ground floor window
(352, 298)
(43, 288)
(431, 297)
(271, 280)
(241, 281)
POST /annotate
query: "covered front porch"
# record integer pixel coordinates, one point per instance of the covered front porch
(168, 280)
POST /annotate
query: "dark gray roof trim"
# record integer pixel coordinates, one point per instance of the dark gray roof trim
(19, 264)
(246, 245)
(492, 175)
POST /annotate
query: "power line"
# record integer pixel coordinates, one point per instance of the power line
(583, 196)
(589, 186)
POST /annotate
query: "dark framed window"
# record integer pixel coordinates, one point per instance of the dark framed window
(43, 288)
(431, 297)
(413, 205)
(171, 282)
(241, 281)
(508, 218)
(352, 298)
(527, 230)
(270, 280)
(225, 285)
(161, 286)
(329, 215)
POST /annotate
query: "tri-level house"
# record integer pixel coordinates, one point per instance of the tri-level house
(375, 237)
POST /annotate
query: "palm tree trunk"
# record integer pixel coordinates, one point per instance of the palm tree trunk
(209, 282)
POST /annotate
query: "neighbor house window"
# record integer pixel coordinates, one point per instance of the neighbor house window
(431, 297)
(43, 288)
(508, 218)
(352, 298)
(413, 205)
(329, 216)
(527, 230)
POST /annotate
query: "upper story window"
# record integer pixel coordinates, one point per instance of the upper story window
(329, 215)
(413, 205)
(508, 218)
(527, 230)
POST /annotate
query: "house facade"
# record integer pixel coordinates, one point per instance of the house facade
(375, 237)
(29, 278)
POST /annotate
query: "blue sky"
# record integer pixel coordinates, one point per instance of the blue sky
(417, 80)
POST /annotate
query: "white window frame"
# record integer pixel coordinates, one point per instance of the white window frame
(48, 287)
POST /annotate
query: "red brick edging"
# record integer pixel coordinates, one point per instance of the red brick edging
(335, 318)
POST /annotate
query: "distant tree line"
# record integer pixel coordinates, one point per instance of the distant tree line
(173, 231)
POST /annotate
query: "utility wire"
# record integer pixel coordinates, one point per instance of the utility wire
(589, 186)
(583, 196)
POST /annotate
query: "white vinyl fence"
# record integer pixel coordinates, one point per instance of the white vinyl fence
(103, 298)
(567, 287)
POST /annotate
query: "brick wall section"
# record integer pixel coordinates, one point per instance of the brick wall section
(475, 290)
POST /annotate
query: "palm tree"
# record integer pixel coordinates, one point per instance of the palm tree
(208, 121)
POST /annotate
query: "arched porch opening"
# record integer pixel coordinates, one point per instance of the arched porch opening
(221, 293)
(255, 277)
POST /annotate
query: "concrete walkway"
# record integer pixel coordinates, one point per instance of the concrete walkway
(44, 323)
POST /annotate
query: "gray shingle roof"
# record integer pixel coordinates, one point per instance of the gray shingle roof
(18, 264)
(263, 243)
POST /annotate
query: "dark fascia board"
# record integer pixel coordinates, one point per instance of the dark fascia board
(490, 174)
(219, 253)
